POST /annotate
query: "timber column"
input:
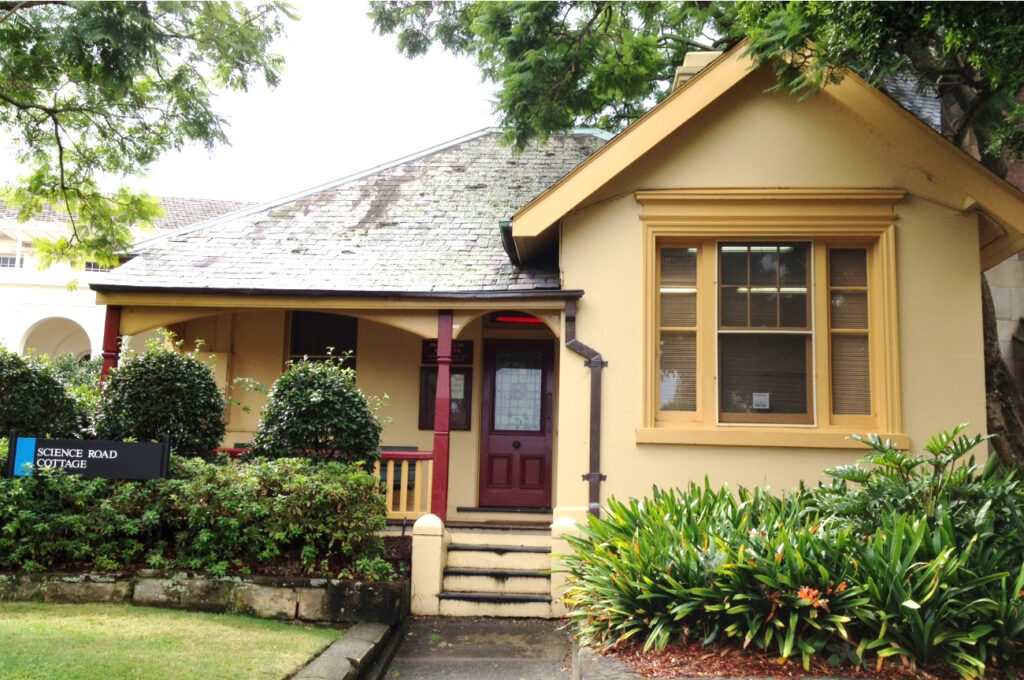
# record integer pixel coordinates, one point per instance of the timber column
(111, 339)
(442, 415)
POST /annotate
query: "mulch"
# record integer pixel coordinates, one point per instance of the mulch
(691, 660)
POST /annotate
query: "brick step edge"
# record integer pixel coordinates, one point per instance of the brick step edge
(496, 573)
(495, 598)
(469, 547)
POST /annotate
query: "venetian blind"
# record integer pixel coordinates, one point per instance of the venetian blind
(849, 332)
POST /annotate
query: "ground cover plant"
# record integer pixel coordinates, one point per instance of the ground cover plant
(287, 517)
(120, 642)
(918, 558)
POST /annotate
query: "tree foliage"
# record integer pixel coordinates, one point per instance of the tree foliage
(559, 64)
(97, 90)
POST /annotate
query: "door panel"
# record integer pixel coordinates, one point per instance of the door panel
(518, 393)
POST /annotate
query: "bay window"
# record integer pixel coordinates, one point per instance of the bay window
(782, 325)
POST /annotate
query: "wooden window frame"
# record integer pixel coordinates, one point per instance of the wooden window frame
(824, 218)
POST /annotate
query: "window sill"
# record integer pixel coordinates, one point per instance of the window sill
(761, 436)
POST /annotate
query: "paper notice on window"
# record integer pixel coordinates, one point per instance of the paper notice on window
(458, 386)
(761, 401)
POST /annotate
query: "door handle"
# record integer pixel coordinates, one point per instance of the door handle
(516, 444)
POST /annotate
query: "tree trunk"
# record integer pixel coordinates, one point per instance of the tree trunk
(1004, 404)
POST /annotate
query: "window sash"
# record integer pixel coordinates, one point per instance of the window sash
(707, 376)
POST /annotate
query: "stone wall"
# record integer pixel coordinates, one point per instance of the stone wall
(304, 599)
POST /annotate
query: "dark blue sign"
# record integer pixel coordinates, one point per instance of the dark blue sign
(87, 458)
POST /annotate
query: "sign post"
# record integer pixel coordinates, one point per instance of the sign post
(91, 459)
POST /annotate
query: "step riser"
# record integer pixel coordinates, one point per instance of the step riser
(538, 610)
(500, 538)
(490, 584)
(475, 559)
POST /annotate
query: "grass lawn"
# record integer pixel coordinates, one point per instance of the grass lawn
(115, 642)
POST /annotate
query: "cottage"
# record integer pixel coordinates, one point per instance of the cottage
(727, 289)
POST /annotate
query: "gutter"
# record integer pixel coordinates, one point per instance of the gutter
(508, 243)
(596, 363)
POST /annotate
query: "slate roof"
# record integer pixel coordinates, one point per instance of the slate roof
(427, 224)
(916, 97)
(178, 212)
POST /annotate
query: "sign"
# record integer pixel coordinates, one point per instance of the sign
(762, 401)
(462, 352)
(88, 458)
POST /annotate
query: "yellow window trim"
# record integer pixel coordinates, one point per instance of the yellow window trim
(827, 218)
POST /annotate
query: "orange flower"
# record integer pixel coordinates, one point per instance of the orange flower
(810, 594)
(841, 587)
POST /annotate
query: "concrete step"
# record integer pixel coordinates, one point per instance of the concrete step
(506, 581)
(490, 604)
(519, 537)
(489, 556)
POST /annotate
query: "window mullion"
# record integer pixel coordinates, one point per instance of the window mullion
(820, 326)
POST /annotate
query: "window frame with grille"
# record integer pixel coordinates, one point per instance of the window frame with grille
(853, 347)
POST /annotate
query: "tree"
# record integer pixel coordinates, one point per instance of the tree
(559, 64)
(97, 90)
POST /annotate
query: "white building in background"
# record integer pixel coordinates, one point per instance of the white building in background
(38, 311)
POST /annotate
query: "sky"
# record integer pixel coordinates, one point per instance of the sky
(347, 101)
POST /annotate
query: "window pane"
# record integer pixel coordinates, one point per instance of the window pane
(793, 265)
(314, 333)
(847, 267)
(849, 309)
(764, 265)
(762, 373)
(764, 307)
(734, 265)
(734, 307)
(678, 372)
(851, 382)
(793, 309)
(678, 267)
(679, 308)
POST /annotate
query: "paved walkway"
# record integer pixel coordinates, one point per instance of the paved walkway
(472, 648)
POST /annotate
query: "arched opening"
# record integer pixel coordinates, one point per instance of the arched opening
(57, 335)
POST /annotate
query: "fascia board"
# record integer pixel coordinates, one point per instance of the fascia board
(985, 191)
(629, 146)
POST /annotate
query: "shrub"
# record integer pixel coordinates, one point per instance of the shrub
(286, 516)
(163, 392)
(80, 377)
(707, 564)
(918, 557)
(34, 402)
(316, 408)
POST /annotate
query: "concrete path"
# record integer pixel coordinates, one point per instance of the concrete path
(472, 648)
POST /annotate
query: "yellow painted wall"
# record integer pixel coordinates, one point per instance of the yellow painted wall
(752, 139)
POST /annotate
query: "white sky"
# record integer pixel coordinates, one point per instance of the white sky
(347, 101)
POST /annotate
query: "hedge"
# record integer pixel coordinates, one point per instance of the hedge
(288, 517)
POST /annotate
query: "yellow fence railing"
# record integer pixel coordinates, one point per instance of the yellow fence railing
(407, 482)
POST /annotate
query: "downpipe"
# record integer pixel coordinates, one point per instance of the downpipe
(593, 360)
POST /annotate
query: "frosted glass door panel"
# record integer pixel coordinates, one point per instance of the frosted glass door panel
(518, 391)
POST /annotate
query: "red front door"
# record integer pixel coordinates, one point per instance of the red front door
(515, 451)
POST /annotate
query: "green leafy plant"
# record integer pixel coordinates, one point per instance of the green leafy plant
(315, 409)
(897, 482)
(34, 402)
(163, 392)
(289, 516)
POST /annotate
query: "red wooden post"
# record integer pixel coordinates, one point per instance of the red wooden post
(442, 414)
(111, 340)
